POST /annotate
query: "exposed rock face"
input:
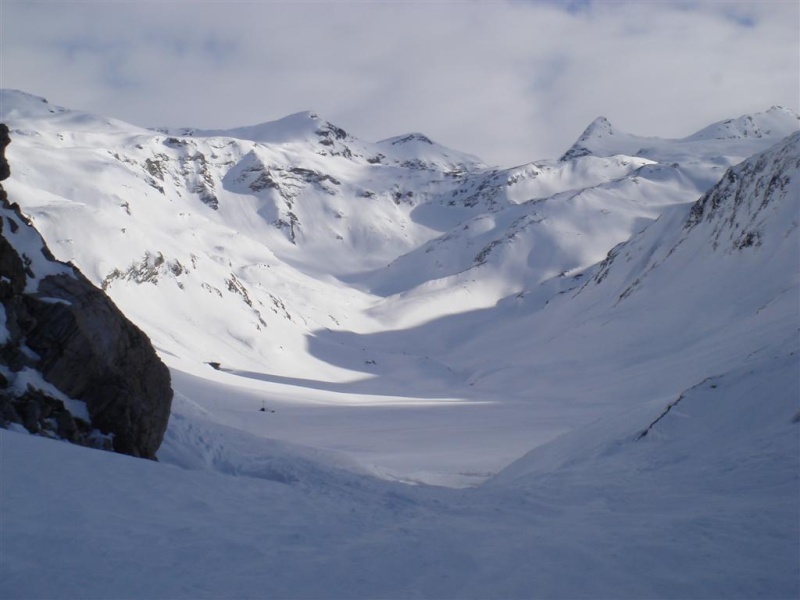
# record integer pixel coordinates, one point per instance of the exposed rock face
(743, 202)
(67, 335)
(5, 170)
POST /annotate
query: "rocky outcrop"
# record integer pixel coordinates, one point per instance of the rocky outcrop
(71, 365)
(739, 208)
(5, 170)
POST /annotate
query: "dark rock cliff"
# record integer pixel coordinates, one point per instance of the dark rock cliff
(63, 341)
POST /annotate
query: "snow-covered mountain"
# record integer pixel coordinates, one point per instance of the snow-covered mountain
(240, 232)
(625, 319)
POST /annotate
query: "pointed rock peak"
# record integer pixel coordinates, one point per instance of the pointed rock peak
(600, 127)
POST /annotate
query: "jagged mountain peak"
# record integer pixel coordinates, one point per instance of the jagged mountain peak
(594, 134)
(600, 127)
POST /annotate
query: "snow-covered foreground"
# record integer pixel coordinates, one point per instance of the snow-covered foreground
(565, 379)
(599, 513)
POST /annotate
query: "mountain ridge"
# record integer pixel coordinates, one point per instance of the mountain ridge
(209, 222)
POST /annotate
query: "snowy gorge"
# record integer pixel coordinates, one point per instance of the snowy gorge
(400, 372)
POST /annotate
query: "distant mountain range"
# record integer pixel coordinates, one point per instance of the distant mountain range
(235, 235)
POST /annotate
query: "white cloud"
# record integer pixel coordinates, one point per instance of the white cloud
(508, 81)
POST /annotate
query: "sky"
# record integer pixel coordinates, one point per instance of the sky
(510, 81)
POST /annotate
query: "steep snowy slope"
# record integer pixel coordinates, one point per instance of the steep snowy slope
(725, 268)
(714, 294)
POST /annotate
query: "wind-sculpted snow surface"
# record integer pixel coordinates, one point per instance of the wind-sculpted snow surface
(608, 364)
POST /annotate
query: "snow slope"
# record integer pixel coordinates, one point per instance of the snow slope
(641, 344)
(671, 515)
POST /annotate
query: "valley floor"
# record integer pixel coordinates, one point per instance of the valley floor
(597, 513)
